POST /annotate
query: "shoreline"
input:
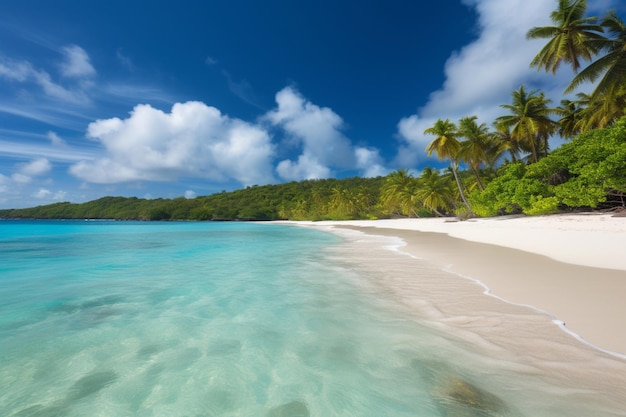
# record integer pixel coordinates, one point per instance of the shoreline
(440, 282)
(414, 271)
(567, 267)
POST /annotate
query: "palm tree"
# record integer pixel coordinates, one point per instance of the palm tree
(571, 113)
(603, 111)
(341, 202)
(398, 193)
(572, 39)
(318, 200)
(363, 198)
(500, 142)
(474, 149)
(435, 191)
(447, 146)
(529, 120)
(612, 64)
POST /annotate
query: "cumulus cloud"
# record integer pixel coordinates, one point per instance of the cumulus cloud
(76, 63)
(317, 131)
(35, 167)
(369, 162)
(306, 167)
(192, 140)
(481, 76)
(190, 194)
(26, 171)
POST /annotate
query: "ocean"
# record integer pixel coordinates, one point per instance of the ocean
(221, 319)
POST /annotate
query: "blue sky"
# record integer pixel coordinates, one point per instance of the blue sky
(186, 98)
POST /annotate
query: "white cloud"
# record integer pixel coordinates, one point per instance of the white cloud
(45, 194)
(26, 171)
(318, 131)
(76, 64)
(59, 195)
(42, 193)
(57, 91)
(307, 167)
(481, 76)
(21, 178)
(36, 167)
(317, 128)
(190, 194)
(370, 162)
(193, 140)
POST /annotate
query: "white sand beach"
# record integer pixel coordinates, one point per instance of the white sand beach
(596, 240)
(555, 285)
(589, 298)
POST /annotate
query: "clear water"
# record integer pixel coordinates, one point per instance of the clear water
(212, 319)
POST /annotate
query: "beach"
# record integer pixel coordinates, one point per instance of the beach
(542, 293)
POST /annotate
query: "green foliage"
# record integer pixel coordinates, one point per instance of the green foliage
(349, 198)
(540, 205)
(582, 173)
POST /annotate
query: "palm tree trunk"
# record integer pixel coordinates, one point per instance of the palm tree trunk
(480, 183)
(458, 184)
(533, 146)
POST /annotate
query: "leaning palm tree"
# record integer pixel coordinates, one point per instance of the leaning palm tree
(611, 66)
(529, 121)
(571, 40)
(474, 148)
(447, 146)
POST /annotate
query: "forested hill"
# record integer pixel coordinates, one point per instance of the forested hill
(268, 202)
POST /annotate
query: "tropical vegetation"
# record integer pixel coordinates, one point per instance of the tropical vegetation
(507, 167)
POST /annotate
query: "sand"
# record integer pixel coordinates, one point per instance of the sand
(573, 267)
(545, 294)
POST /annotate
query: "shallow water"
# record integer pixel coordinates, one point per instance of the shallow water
(224, 319)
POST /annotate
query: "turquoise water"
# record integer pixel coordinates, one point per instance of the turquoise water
(212, 319)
